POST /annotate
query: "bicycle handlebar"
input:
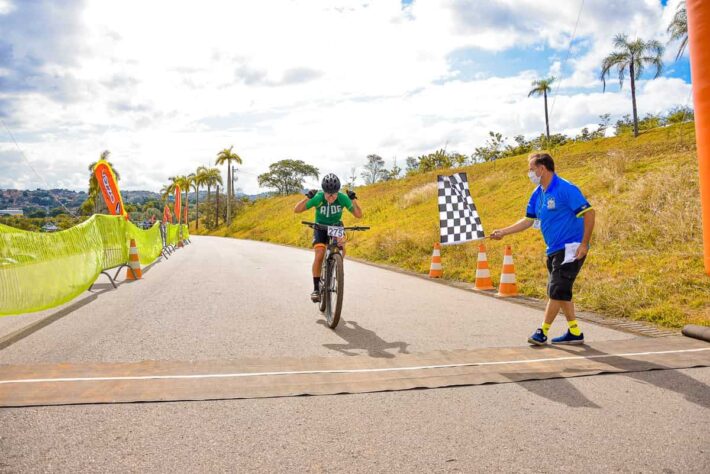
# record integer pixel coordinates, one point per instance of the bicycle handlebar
(325, 227)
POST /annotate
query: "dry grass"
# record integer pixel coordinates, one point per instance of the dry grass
(646, 257)
(418, 195)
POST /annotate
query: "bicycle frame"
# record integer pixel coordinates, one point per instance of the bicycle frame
(332, 276)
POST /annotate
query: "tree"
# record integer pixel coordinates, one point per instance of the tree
(624, 125)
(226, 156)
(196, 183)
(200, 177)
(212, 178)
(458, 159)
(396, 171)
(680, 115)
(678, 28)
(352, 178)
(374, 169)
(165, 193)
(87, 207)
(188, 184)
(287, 176)
(491, 151)
(412, 166)
(633, 56)
(433, 161)
(604, 120)
(521, 147)
(542, 87)
(57, 211)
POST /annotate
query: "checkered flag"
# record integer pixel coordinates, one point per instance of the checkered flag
(458, 218)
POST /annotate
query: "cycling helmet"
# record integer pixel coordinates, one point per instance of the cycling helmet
(330, 183)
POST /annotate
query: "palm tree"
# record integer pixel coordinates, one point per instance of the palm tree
(165, 191)
(634, 56)
(188, 182)
(678, 28)
(200, 176)
(227, 156)
(213, 177)
(542, 87)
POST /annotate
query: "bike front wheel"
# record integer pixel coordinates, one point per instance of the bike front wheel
(334, 290)
(323, 286)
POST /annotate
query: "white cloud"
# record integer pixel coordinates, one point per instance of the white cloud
(165, 84)
(6, 7)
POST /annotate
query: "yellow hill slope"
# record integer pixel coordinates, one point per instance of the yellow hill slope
(646, 257)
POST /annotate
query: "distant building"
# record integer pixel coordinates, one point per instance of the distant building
(11, 212)
(49, 227)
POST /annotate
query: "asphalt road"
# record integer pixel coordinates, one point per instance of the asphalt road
(223, 298)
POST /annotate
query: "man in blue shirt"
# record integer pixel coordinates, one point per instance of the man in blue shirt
(558, 208)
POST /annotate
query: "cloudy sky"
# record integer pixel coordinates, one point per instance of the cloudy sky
(165, 85)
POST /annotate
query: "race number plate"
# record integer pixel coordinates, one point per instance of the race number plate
(336, 232)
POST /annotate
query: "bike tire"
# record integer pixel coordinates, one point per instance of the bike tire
(323, 286)
(334, 290)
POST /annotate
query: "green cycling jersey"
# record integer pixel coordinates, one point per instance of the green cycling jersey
(329, 214)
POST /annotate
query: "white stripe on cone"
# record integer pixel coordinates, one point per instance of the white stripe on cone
(508, 260)
(483, 273)
(507, 278)
(482, 257)
(436, 266)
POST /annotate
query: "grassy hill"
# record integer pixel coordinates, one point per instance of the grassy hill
(646, 257)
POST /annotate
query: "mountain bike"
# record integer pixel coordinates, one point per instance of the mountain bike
(332, 276)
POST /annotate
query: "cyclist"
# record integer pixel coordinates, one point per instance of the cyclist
(329, 204)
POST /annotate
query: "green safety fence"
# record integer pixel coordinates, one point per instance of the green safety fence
(43, 270)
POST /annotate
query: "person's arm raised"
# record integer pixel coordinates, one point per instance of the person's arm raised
(301, 206)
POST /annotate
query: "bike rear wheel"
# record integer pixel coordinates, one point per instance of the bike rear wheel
(335, 277)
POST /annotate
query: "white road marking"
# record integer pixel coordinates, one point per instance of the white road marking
(342, 371)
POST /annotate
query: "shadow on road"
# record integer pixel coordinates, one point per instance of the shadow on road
(670, 379)
(359, 338)
(46, 321)
(558, 390)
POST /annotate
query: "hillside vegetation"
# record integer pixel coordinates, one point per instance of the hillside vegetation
(646, 256)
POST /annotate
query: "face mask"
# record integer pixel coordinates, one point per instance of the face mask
(533, 177)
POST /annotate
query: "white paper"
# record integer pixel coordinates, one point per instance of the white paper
(571, 251)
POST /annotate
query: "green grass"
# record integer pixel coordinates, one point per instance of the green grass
(646, 258)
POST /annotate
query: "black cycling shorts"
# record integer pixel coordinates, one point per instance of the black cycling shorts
(320, 236)
(562, 276)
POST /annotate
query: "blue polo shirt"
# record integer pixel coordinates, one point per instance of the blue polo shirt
(559, 209)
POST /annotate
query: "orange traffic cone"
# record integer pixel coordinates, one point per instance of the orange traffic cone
(435, 271)
(483, 273)
(508, 286)
(133, 272)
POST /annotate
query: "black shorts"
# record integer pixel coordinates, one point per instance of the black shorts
(562, 276)
(320, 236)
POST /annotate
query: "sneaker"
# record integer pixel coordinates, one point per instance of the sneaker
(315, 296)
(538, 338)
(569, 338)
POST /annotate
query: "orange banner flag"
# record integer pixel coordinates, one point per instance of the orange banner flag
(178, 203)
(167, 216)
(109, 188)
